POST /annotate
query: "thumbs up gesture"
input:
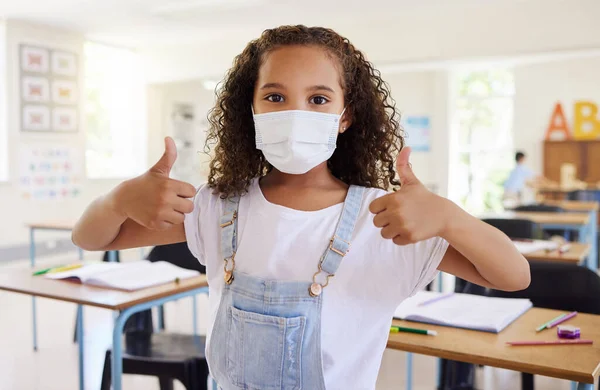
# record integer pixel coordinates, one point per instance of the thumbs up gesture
(412, 213)
(155, 201)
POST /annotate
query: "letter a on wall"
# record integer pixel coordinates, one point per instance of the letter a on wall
(558, 128)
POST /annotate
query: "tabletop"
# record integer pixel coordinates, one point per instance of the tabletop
(573, 205)
(51, 225)
(576, 254)
(579, 363)
(23, 282)
(575, 219)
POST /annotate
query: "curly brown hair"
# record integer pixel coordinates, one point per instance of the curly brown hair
(365, 151)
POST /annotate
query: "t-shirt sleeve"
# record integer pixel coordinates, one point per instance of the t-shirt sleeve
(427, 255)
(191, 225)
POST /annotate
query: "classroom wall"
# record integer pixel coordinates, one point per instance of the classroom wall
(14, 209)
(416, 93)
(161, 100)
(425, 94)
(537, 89)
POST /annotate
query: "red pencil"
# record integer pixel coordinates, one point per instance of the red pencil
(552, 342)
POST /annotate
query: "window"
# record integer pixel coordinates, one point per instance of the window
(482, 143)
(114, 112)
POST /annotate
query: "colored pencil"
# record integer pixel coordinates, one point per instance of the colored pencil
(545, 325)
(430, 301)
(563, 319)
(551, 342)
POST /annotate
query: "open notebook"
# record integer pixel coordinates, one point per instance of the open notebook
(126, 276)
(530, 246)
(463, 311)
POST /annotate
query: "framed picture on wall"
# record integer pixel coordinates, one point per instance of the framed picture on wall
(49, 90)
(35, 59)
(64, 92)
(64, 63)
(35, 89)
(64, 119)
(36, 118)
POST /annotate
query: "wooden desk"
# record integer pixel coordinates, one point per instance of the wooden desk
(583, 223)
(573, 205)
(580, 363)
(572, 219)
(22, 282)
(51, 225)
(576, 254)
(57, 225)
(127, 303)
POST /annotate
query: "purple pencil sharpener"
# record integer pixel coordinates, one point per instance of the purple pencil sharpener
(568, 332)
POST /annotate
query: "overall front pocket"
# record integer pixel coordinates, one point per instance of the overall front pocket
(264, 352)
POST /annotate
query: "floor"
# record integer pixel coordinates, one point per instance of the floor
(54, 365)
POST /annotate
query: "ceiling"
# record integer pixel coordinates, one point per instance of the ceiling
(185, 39)
(138, 23)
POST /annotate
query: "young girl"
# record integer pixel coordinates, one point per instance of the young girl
(307, 255)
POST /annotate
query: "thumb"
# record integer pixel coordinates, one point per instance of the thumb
(403, 167)
(164, 165)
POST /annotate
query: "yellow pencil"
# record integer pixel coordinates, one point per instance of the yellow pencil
(65, 268)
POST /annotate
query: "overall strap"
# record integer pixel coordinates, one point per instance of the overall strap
(340, 242)
(228, 224)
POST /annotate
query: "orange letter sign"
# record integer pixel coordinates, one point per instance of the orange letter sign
(558, 129)
(586, 124)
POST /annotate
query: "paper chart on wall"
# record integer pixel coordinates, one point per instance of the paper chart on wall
(418, 131)
(50, 172)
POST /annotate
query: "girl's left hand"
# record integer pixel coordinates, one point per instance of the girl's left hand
(413, 213)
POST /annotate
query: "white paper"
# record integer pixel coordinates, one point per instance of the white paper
(526, 247)
(463, 311)
(127, 276)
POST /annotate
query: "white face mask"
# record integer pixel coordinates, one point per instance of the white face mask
(296, 141)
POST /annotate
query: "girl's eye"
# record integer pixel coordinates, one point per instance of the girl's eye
(319, 100)
(274, 98)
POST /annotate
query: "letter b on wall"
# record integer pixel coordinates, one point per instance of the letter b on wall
(586, 123)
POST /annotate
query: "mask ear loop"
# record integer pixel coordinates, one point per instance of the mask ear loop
(252, 109)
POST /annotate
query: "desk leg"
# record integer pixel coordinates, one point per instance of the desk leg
(80, 341)
(112, 256)
(593, 231)
(117, 347)
(409, 370)
(33, 305)
(584, 233)
(195, 319)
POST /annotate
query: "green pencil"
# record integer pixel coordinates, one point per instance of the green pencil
(396, 329)
(543, 326)
(43, 271)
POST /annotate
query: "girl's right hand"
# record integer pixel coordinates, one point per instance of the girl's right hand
(153, 200)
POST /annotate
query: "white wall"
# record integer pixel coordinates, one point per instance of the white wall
(538, 88)
(424, 94)
(161, 98)
(416, 93)
(15, 210)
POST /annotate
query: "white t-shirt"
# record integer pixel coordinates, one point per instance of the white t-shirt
(276, 242)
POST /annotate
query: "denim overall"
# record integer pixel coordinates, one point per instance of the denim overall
(267, 333)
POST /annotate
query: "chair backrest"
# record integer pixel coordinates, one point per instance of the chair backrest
(561, 287)
(177, 254)
(542, 208)
(516, 228)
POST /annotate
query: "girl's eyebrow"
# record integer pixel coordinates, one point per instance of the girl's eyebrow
(321, 88)
(272, 85)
